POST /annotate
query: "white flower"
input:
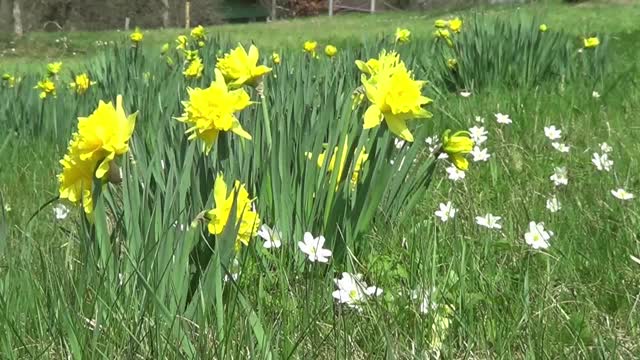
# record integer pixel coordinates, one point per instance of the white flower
(60, 211)
(503, 118)
(622, 194)
(553, 204)
(454, 173)
(489, 221)
(443, 155)
(7, 207)
(465, 94)
(538, 237)
(272, 237)
(398, 143)
(313, 248)
(478, 134)
(424, 296)
(446, 212)
(552, 133)
(595, 94)
(479, 119)
(234, 271)
(563, 148)
(559, 176)
(433, 143)
(353, 291)
(605, 148)
(602, 162)
(480, 154)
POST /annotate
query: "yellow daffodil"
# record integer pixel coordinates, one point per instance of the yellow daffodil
(356, 99)
(54, 68)
(211, 110)
(46, 87)
(81, 84)
(182, 41)
(275, 57)
(310, 48)
(201, 44)
(456, 146)
(591, 42)
(9, 80)
(395, 97)
(164, 49)
(443, 34)
(455, 25)
(105, 134)
(198, 33)
(331, 166)
(452, 64)
(384, 62)
(247, 221)
(194, 69)
(440, 23)
(76, 179)
(136, 36)
(330, 51)
(241, 68)
(543, 28)
(190, 55)
(402, 35)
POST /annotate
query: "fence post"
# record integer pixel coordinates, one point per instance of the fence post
(187, 14)
(373, 6)
(330, 7)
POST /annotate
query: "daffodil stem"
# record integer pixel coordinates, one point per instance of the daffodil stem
(267, 121)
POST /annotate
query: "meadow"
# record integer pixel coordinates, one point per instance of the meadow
(219, 204)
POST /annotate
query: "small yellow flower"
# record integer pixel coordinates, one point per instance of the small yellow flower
(81, 84)
(46, 87)
(456, 146)
(164, 49)
(198, 33)
(330, 51)
(440, 23)
(54, 68)
(310, 48)
(201, 44)
(357, 97)
(543, 28)
(182, 41)
(591, 42)
(190, 55)
(136, 36)
(445, 35)
(331, 166)
(241, 68)
(402, 35)
(9, 80)
(452, 64)
(246, 221)
(212, 110)
(455, 25)
(275, 57)
(194, 69)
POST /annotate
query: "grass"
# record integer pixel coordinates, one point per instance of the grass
(61, 293)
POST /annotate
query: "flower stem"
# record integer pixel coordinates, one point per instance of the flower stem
(265, 117)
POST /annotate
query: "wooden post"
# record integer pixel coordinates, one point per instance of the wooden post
(127, 21)
(273, 9)
(373, 6)
(330, 7)
(17, 18)
(187, 14)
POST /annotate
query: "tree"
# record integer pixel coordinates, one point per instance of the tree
(17, 18)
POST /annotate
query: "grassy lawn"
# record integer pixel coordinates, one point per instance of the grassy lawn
(138, 277)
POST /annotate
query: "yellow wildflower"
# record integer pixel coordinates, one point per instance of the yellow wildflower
(241, 68)
(330, 50)
(164, 49)
(331, 166)
(104, 134)
(246, 220)
(81, 84)
(395, 97)
(194, 69)
(198, 33)
(452, 64)
(310, 48)
(383, 63)
(443, 34)
(190, 55)
(456, 146)
(201, 44)
(136, 36)
(591, 42)
(402, 35)
(543, 27)
(76, 179)
(182, 41)
(54, 68)
(211, 110)
(455, 25)
(9, 79)
(440, 23)
(275, 57)
(46, 87)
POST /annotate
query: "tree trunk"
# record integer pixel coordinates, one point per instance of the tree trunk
(5, 18)
(165, 13)
(17, 18)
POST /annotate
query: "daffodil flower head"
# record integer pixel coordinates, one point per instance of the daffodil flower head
(81, 83)
(182, 42)
(443, 34)
(190, 55)
(441, 23)
(456, 146)
(47, 88)
(310, 48)
(455, 24)
(452, 64)
(212, 110)
(194, 69)
(543, 28)
(9, 80)
(385, 62)
(591, 42)
(136, 36)
(246, 221)
(76, 179)
(54, 68)
(402, 35)
(164, 49)
(198, 33)
(330, 51)
(275, 57)
(361, 158)
(241, 68)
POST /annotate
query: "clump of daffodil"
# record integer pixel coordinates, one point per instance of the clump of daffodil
(361, 158)
(591, 42)
(457, 146)
(455, 24)
(194, 69)
(47, 88)
(275, 57)
(9, 80)
(182, 41)
(543, 28)
(212, 110)
(81, 83)
(241, 68)
(246, 220)
(54, 68)
(452, 64)
(100, 138)
(394, 95)
(330, 51)
(443, 34)
(136, 37)
(310, 48)
(402, 35)
(198, 33)
(164, 49)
